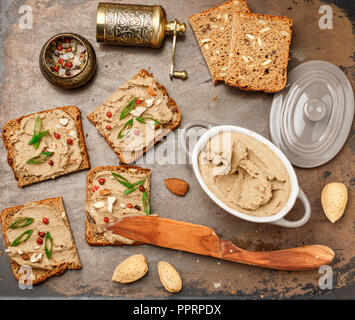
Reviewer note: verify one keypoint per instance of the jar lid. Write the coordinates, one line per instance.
(311, 118)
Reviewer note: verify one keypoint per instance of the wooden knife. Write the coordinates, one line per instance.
(202, 240)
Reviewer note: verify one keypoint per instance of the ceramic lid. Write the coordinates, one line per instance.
(311, 118)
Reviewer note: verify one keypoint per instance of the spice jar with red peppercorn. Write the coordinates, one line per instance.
(67, 60)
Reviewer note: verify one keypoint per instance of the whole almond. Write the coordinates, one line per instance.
(177, 186)
(169, 277)
(131, 269)
(334, 199)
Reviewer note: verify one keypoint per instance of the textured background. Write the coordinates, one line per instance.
(24, 90)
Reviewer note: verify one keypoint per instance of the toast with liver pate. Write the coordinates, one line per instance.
(65, 140)
(138, 115)
(106, 201)
(11, 215)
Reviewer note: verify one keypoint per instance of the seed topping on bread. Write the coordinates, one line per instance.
(259, 52)
(212, 29)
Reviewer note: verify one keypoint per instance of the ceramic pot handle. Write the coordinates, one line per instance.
(307, 214)
(196, 123)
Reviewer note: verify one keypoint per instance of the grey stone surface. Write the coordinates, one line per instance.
(24, 90)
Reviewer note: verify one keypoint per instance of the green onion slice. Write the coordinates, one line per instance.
(146, 204)
(43, 156)
(130, 190)
(128, 125)
(138, 183)
(38, 126)
(122, 180)
(143, 120)
(23, 222)
(116, 175)
(37, 134)
(20, 239)
(46, 250)
(128, 108)
(134, 187)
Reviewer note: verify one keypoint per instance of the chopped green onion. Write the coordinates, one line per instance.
(19, 239)
(134, 187)
(146, 204)
(38, 126)
(128, 108)
(128, 124)
(124, 182)
(46, 250)
(37, 134)
(129, 190)
(19, 223)
(138, 183)
(43, 156)
(143, 120)
(116, 175)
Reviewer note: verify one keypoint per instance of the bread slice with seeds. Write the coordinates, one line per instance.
(63, 124)
(101, 189)
(59, 263)
(213, 30)
(259, 52)
(137, 116)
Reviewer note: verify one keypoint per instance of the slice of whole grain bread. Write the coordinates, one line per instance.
(40, 274)
(12, 126)
(259, 52)
(173, 124)
(92, 236)
(212, 29)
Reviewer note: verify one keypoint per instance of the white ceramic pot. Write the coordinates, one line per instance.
(296, 192)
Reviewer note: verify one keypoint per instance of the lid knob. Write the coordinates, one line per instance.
(314, 110)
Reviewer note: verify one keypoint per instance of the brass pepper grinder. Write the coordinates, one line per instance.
(137, 25)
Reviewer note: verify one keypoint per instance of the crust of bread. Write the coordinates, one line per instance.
(221, 5)
(14, 124)
(192, 17)
(41, 275)
(173, 124)
(91, 236)
(283, 84)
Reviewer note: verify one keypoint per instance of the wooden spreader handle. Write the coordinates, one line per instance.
(296, 259)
